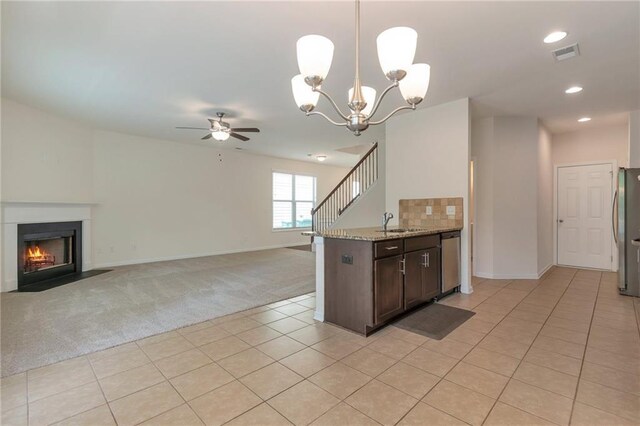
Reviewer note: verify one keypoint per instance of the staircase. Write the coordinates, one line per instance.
(355, 183)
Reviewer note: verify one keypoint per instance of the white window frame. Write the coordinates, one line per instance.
(293, 200)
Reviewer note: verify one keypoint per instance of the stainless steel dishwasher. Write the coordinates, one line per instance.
(450, 261)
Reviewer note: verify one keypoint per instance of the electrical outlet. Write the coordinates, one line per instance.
(347, 259)
(451, 210)
(429, 210)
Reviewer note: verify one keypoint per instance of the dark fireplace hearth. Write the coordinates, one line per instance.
(47, 251)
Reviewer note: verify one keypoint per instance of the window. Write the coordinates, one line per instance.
(294, 196)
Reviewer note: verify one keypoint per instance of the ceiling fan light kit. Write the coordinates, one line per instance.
(221, 130)
(396, 51)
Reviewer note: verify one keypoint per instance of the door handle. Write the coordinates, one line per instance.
(560, 220)
(425, 260)
(402, 266)
(391, 248)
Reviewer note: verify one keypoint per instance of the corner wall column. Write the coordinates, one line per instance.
(319, 249)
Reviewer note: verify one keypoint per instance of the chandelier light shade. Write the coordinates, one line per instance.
(369, 94)
(315, 54)
(415, 84)
(303, 94)
(396, 51)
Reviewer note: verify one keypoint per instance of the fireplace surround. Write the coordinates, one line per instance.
(29, 212)
(47, 251)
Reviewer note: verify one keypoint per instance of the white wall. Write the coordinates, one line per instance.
(155, 199)
(427, 155)
(592, 144)
(511, 198)
(44, 157)
(515, 197)
(545, 200)
(634, 139)
(482, 152)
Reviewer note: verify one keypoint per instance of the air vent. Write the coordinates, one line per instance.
(566, 52)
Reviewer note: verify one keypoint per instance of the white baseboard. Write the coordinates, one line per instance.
(544, 270)
(512, 276)
(187, 256)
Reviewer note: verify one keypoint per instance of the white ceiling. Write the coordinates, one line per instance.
(145, 67)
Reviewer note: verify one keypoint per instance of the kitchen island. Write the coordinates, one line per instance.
(372, 276)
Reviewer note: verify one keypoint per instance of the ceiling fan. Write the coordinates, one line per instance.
(221, 130)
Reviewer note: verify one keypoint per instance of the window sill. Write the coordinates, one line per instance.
(291, 229)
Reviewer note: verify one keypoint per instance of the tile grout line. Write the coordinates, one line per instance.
(459, 361)
(235, 379)
(103, 395)
(151, 362)
(530, 346)
(583, 361)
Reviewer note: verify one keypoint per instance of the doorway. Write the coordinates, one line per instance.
(584, 236)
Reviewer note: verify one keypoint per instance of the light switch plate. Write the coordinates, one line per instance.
(429, 210)
(451, 210)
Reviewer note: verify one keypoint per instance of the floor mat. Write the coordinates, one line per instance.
(434, 321)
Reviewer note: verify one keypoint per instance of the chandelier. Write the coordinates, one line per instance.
(396, 50)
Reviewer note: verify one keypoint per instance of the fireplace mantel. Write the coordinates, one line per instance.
(21, 212)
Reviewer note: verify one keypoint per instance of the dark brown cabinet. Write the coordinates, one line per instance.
(368, 284)
(413, 277)
(421, 279)
(431, 274)
(388, 288)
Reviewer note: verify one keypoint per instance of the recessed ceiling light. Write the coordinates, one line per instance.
(321, 157)
(584, 119)
(573, 89)
(555, 36)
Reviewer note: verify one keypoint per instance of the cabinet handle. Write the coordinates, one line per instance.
(426, 260)
(391, 248)
(402, 266)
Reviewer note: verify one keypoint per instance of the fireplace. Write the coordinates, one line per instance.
(47, 251)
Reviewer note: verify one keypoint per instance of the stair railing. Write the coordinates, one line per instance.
(353, 185)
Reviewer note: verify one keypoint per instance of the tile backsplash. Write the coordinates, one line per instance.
(413, 213)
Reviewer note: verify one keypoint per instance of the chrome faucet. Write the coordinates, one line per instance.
(386, 217)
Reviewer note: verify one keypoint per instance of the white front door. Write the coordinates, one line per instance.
(584, 216)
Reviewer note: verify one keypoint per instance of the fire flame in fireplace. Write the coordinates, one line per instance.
(36, 254)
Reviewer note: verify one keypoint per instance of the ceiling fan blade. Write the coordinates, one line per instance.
(207, 136)
(192, 128)
(237, 136)
(245, 129)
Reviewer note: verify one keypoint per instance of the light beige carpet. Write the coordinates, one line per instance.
(132, 302)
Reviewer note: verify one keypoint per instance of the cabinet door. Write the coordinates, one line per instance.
(413, 277)
(388, 288)
(431, 273)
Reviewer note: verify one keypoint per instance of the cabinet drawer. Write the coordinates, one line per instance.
(388, 248)
(419, 243)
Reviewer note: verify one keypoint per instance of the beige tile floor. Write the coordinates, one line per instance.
(562, 350)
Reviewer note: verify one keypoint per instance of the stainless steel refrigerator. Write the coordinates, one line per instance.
(628, 231)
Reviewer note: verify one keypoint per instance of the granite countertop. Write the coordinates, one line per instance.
(376, 234)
